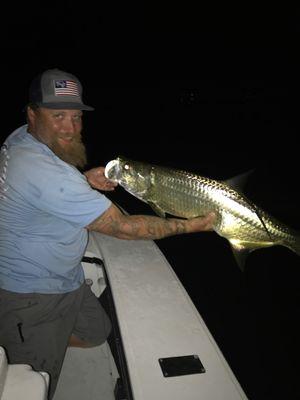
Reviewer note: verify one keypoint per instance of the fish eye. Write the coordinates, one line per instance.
(126, 166)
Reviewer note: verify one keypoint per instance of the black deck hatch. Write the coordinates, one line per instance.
(182, 365)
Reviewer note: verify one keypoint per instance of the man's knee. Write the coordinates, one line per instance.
(74, 341)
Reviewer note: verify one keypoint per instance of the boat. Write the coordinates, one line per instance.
(160, 347)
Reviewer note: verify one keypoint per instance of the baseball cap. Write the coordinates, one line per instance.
(57, 89)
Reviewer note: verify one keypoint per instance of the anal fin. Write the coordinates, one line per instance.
(241, 250)
(240, 257)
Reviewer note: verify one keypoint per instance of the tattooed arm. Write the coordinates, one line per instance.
(113, 223)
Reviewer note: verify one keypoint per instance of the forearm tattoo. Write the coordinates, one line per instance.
(139, 227)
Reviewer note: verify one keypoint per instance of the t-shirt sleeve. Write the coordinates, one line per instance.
(60, 190)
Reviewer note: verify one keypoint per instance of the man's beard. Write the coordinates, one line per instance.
(74, 154)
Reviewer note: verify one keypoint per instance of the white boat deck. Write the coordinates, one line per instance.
(87, 374)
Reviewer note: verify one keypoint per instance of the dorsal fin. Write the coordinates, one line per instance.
(239, 182)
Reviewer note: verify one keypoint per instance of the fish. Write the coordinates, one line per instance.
(183, 194)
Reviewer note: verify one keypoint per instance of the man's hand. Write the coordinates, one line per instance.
(202, 224)
(97, 179)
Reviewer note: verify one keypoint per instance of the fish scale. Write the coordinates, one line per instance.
(183, 194)
(179, 196)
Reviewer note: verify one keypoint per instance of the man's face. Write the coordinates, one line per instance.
(60, 130)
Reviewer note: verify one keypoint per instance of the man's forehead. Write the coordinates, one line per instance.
(51, 111)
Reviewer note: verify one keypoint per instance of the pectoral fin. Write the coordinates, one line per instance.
(159, 211)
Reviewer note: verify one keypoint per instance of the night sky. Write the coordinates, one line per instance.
(212, 89)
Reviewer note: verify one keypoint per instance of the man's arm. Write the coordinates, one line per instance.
(113, 223)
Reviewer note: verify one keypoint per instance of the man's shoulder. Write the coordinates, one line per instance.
(28, 163)
(29, 156)
(16, 137)
(21, 143)
(24, 149)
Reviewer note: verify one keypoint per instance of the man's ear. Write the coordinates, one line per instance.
(31, 115)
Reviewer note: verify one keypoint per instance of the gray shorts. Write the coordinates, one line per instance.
(35, 328)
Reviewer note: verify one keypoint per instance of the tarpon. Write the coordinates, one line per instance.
(183, 194)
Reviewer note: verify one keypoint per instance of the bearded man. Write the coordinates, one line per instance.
(47, 207)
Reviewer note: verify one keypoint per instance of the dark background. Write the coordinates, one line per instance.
(213, 89)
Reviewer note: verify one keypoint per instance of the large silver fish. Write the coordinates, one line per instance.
(183, 194)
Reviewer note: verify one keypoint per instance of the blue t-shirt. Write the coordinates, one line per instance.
(45, 205)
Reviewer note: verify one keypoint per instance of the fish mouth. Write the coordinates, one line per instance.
(112, 170)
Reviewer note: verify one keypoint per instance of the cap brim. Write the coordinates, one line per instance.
(66, 106)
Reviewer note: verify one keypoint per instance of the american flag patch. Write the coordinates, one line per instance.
(66, 88)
